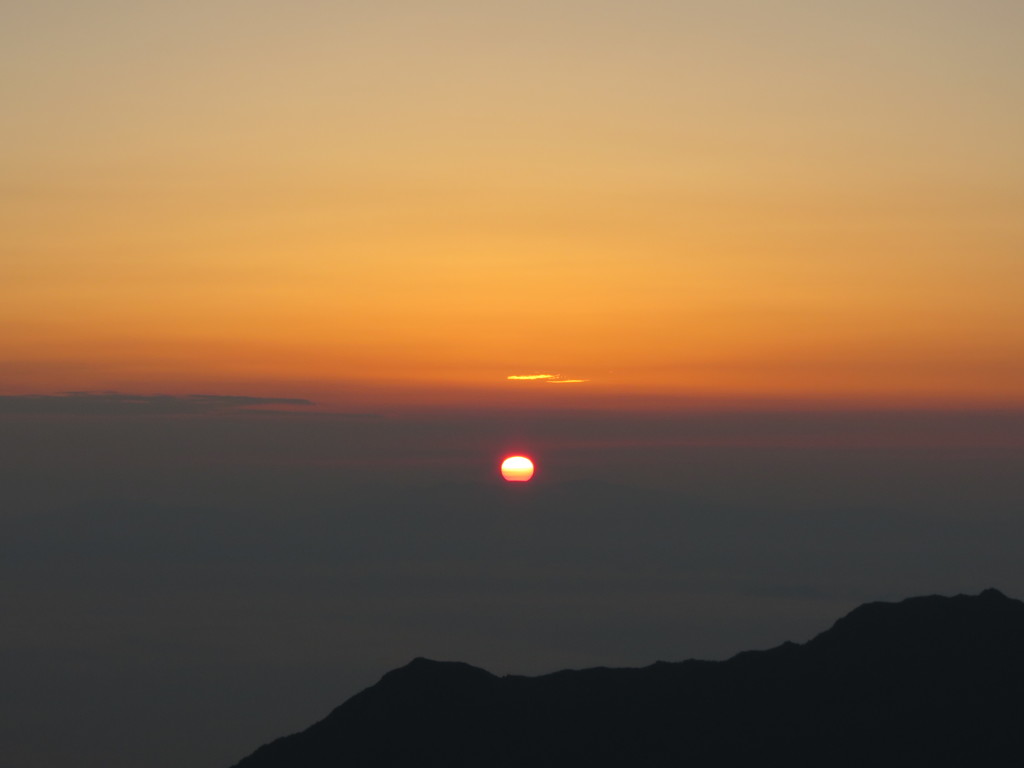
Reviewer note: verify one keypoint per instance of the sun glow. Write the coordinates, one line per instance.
(517, 469)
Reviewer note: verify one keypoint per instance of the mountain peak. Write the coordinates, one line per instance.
(925, 681)
(993, 594)
(932, 624)
(425, 671)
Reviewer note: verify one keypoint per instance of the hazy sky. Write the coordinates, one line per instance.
(729, 198)
(267, 269)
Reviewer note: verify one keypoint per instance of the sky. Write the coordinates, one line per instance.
(283, 283)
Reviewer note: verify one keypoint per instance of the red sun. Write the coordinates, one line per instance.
(517, 469)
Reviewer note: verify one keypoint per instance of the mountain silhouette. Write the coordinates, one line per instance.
(929, 681)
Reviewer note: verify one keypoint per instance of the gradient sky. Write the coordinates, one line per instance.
(267, 270)
(395, 201)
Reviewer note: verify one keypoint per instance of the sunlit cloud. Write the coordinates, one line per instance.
(547, 378)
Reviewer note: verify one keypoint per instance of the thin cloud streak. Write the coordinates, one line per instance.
(94, 403)
(547, 378)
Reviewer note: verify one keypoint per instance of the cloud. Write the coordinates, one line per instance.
(92, 403)
(547, 378)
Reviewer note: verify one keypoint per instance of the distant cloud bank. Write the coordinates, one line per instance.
(120, 403)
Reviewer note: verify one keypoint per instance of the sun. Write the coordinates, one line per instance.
(517, 469)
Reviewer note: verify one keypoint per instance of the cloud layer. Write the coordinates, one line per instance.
(89, 403)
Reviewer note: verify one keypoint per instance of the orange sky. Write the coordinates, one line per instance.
(381, 203)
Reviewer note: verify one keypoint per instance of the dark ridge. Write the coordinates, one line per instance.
(929, 681)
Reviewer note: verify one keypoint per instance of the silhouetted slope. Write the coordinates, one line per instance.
(924, 682)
